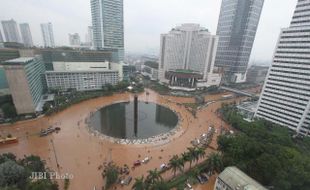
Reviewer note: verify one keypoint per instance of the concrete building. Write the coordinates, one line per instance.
(187, 55)
(6, 54)
(74, 40)
(236, 30)
(25, 79)
(10, 30)
(26, 34)
(256, 74)
(83, 76)
(48, 34)
(108, 25)
(150, 70)
(234, 179)
(285, 99)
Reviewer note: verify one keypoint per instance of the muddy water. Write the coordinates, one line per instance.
(80, 153)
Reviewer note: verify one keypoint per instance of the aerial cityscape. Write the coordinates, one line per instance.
(114, 94)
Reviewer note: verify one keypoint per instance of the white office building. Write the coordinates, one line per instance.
(10, 30)
(83, 76)
(47, 34)
(285, 99)
(26, 34)
(1, 38)
(187, 56)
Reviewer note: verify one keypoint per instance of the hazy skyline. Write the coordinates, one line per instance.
(145, 20)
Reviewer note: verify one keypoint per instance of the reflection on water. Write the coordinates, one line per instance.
(117, 120)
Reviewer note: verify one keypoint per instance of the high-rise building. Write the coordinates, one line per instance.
(10, 30)
(1, 38)
(285, 99)
(108, 25)
(237, 29)
(47, 34)
(74, 40)
(25, 79)
(187, 57)
(26, 34)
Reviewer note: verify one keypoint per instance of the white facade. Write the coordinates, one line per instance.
(188, 47)
(26, 34)
(47, 34)
(80, 80)
(285, 99)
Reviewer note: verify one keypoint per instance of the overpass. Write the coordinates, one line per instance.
(240, 92)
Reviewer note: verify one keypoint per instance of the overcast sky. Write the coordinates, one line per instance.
(145, 20)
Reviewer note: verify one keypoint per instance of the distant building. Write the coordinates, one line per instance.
(285, 99)
(236, 29)
(150, 69)
(89, 36)
(10, 30)
(74, 40)
(187, 57)
(234, 179)
(108, 25)
(1, 38)
(83, 76)
(48, 34)
(25, 79)
(26, 34)
(256, 74)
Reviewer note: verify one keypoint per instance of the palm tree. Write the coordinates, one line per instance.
(191, 155)
(185, 157)
(174, 164)
(153, 177)
(200, 152)
(139, 184)
(214, 163)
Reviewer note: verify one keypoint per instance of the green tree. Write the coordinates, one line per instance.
(42, 184)
(191, 155)
(153, 177)
(214, 163)
(176, 164)
(139, 184)
(12, 174)
(111, 172)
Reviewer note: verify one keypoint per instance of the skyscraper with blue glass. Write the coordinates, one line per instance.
(108, 25)
(237, 29)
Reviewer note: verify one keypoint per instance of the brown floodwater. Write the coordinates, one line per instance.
(80, 152)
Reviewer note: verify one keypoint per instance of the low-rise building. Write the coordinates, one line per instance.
(234, 179)
(25, 79)
(84, 76)
(80, 80)
(150, 69)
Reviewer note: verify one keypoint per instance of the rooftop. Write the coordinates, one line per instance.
(20, 60)
(236, 179)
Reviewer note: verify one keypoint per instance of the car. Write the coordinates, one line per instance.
(163, 167)
(145, 160)
(189, 187)
(137, 163)
(201, 181)
(127, 181)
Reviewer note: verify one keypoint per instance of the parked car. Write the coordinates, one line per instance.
(137, 163)
(126, 181)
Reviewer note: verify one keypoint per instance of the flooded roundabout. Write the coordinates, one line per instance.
(104, 129)
(134, 122)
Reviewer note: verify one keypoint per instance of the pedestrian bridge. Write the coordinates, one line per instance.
(244, 93)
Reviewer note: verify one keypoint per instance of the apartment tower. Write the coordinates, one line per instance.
(285, 99)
